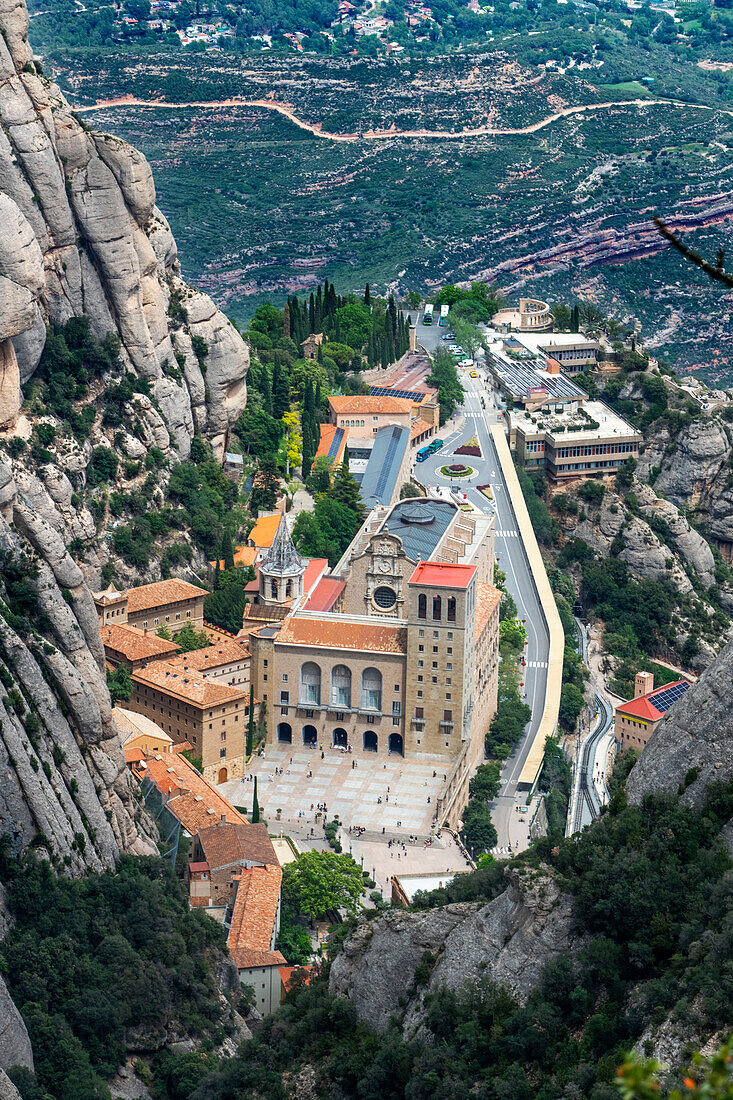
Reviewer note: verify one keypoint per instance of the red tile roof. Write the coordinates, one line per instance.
(213, 656)
(314, 570)
(327, 432)
(243, 556)
(643, 706)
(135, 645)
(488, 599)
(304, 976)
(199, 691)
(419, 427)
(161, 593)
(325, 594)
(341, 633)
(443, 574)
(252, 929)
(225, 843)
(194, 801)
(364, 405)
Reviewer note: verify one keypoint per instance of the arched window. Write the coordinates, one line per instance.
(371, 689)
(437, 609)
(273, 588)
(310, 684)
(310, 734)
(285, 733)
(340, 738)
(340, 687)
(288, 589)
(451, 613)
(422, 607)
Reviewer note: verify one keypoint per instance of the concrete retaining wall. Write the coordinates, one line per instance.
(548, 722)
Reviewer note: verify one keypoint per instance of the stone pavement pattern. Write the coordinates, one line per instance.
(404, 787)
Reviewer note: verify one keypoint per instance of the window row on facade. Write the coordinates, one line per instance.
(340, 687)
(340, 738)
(437, 608)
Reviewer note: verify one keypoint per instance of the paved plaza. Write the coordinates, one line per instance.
(387, 798)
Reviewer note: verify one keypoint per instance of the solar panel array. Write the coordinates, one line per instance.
(384, 464)
(333, 450)
(665, 697)
(520, 378)
(385, 391)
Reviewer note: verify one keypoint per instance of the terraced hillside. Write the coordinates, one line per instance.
(263, 207)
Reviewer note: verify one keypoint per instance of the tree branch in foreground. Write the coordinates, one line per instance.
(714, 271)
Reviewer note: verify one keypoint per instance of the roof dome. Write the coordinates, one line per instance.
(417, 513)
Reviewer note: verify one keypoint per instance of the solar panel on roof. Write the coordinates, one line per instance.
(333, 450)
(664, 698)
(385, 391)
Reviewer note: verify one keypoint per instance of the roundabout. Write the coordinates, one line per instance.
(457, 469)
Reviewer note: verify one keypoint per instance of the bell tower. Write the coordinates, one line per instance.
(282, 571)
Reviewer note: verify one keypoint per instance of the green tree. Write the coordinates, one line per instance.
(345, 489)
(227, 550)
(477, 831)
(317, 882)
(188, 638)
(120, 685)
(255, 805)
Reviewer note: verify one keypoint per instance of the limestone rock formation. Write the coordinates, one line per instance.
(693, 745)
(82, 235)
(509, 940)
(8, 1090)
(15, 1046)
(65, 786)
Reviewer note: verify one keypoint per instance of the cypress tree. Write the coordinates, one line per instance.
(383, 353)
(255, 807)
(280, 392)
(311, 314)
(309, 428)
(216, 574)
(367, 297)
(251, 725)
(227, 550)
(286, 320)
(318, 315)
(346, 489)
(318, 400)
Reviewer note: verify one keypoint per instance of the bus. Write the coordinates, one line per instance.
(444, 311)
(427, 317)
(423, 454)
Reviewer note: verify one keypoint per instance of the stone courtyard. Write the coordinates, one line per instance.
(408, 790)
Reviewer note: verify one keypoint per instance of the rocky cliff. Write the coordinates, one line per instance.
(81, 235)
(693, 746)
(509, 940)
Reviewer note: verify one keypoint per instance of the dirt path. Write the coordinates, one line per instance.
(287, 110)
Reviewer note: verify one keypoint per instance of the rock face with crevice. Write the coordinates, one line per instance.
(509, 941)
(82, 236)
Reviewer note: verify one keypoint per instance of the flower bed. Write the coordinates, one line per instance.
(470, 447)
(457, 469)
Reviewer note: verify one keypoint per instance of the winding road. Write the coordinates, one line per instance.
(315, 128)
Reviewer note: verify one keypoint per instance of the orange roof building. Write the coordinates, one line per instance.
(263, 533)
(225, 661)
(243, 556)
(197, 708)
(339, 632)
(366, 405)
(133, 648)
(637, 720)
(332, 442)
(253, 931)
(187, 795)
(171, 603)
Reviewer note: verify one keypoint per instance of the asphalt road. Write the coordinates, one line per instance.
(511, 827)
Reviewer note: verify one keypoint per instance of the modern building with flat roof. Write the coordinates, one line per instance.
(530, 380)
(574, 351)
(637, 720)
(586, 441)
